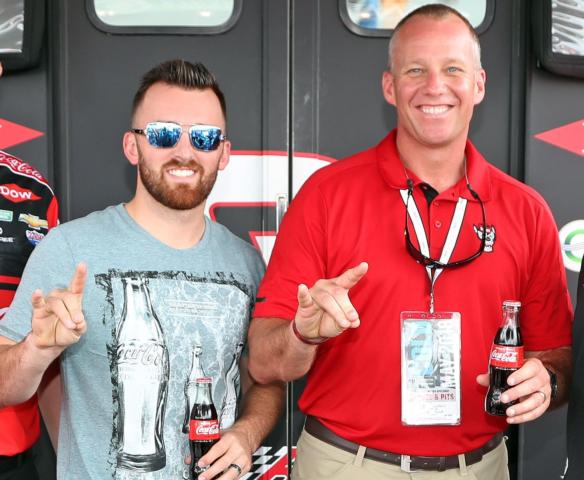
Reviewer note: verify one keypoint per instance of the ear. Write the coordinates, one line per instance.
(130, 146)
(387, 85)
(480, 80)
(225, 154)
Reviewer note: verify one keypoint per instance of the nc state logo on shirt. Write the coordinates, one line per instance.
(490, 236)
(16, 194)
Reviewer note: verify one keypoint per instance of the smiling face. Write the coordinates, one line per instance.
(180, 177)
(435, 81)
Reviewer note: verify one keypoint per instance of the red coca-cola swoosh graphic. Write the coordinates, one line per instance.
(12, 134)
(567, 137)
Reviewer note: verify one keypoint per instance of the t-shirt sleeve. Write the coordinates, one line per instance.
(298, 255)
(258, 270)
(47, 269)
(546, 314)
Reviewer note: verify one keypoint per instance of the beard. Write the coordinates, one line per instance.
(181, 196)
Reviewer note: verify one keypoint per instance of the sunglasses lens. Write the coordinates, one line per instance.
(206, 139)
(163, 135)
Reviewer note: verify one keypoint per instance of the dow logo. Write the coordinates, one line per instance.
(572, 240)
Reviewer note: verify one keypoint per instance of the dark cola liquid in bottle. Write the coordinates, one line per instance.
(203, 425)
(506, 357)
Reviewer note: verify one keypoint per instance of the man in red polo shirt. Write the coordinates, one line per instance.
(28, 209)
(395, 332)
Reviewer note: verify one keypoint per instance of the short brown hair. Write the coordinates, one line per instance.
(179, 73)
(436, 11)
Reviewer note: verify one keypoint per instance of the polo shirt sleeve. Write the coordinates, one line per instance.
(546, 313)
(298, 256)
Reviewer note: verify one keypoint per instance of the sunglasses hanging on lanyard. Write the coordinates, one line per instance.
(434, 267)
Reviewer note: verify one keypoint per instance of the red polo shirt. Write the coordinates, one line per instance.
(352, 211)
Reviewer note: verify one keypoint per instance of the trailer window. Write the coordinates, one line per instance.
(567, 29)
(379, 17)
(11, 26)
(131, 15)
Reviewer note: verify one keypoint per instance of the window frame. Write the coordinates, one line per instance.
(388, 32)
(163, 29)
(32, 39)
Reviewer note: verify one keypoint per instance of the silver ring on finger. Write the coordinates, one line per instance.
(544, 396)
(237, 468)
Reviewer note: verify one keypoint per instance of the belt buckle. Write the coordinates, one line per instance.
(405, 462)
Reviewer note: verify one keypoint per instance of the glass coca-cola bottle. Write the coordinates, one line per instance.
(204, 425)
(197, 371)
(143, 371)
(506, 358)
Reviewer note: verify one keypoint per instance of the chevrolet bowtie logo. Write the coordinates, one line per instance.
(568, 137)
(12, 134)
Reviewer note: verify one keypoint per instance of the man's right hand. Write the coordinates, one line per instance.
(325, 311)
(57, 319)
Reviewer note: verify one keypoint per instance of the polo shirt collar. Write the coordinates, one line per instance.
(393, 171)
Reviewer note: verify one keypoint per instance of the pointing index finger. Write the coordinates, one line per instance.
(349, 278)
(77, 283)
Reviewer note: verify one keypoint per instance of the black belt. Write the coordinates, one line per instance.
(7, 464)
(408, 463)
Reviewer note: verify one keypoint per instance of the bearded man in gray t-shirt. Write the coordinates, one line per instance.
(145, 297)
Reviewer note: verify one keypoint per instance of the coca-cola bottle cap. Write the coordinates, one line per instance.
(512, 303)
(204, 380)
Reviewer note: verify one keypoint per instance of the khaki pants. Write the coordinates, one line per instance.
(317, 460)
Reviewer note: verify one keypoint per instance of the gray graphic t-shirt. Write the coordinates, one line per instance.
(158, 318)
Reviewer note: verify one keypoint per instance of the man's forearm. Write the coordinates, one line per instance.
(262, 407)
(275, 353)
(559, 361)
(22, 366)
(50, 395)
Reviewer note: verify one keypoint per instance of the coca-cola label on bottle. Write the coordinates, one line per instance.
(204, 430)
(506, 357)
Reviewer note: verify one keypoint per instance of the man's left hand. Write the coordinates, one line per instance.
(234, 448)
(531, 386)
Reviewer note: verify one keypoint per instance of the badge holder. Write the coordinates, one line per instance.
(430, 368)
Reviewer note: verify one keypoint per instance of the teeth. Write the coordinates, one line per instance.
(436, 110)
(181, 173)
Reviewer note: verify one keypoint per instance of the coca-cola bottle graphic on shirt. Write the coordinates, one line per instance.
(197, 371)
(506, 358)
(143, 372)
(232, 381)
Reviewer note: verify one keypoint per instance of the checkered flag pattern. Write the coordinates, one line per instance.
(269, 463)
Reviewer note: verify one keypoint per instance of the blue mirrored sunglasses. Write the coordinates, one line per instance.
(167, 134)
